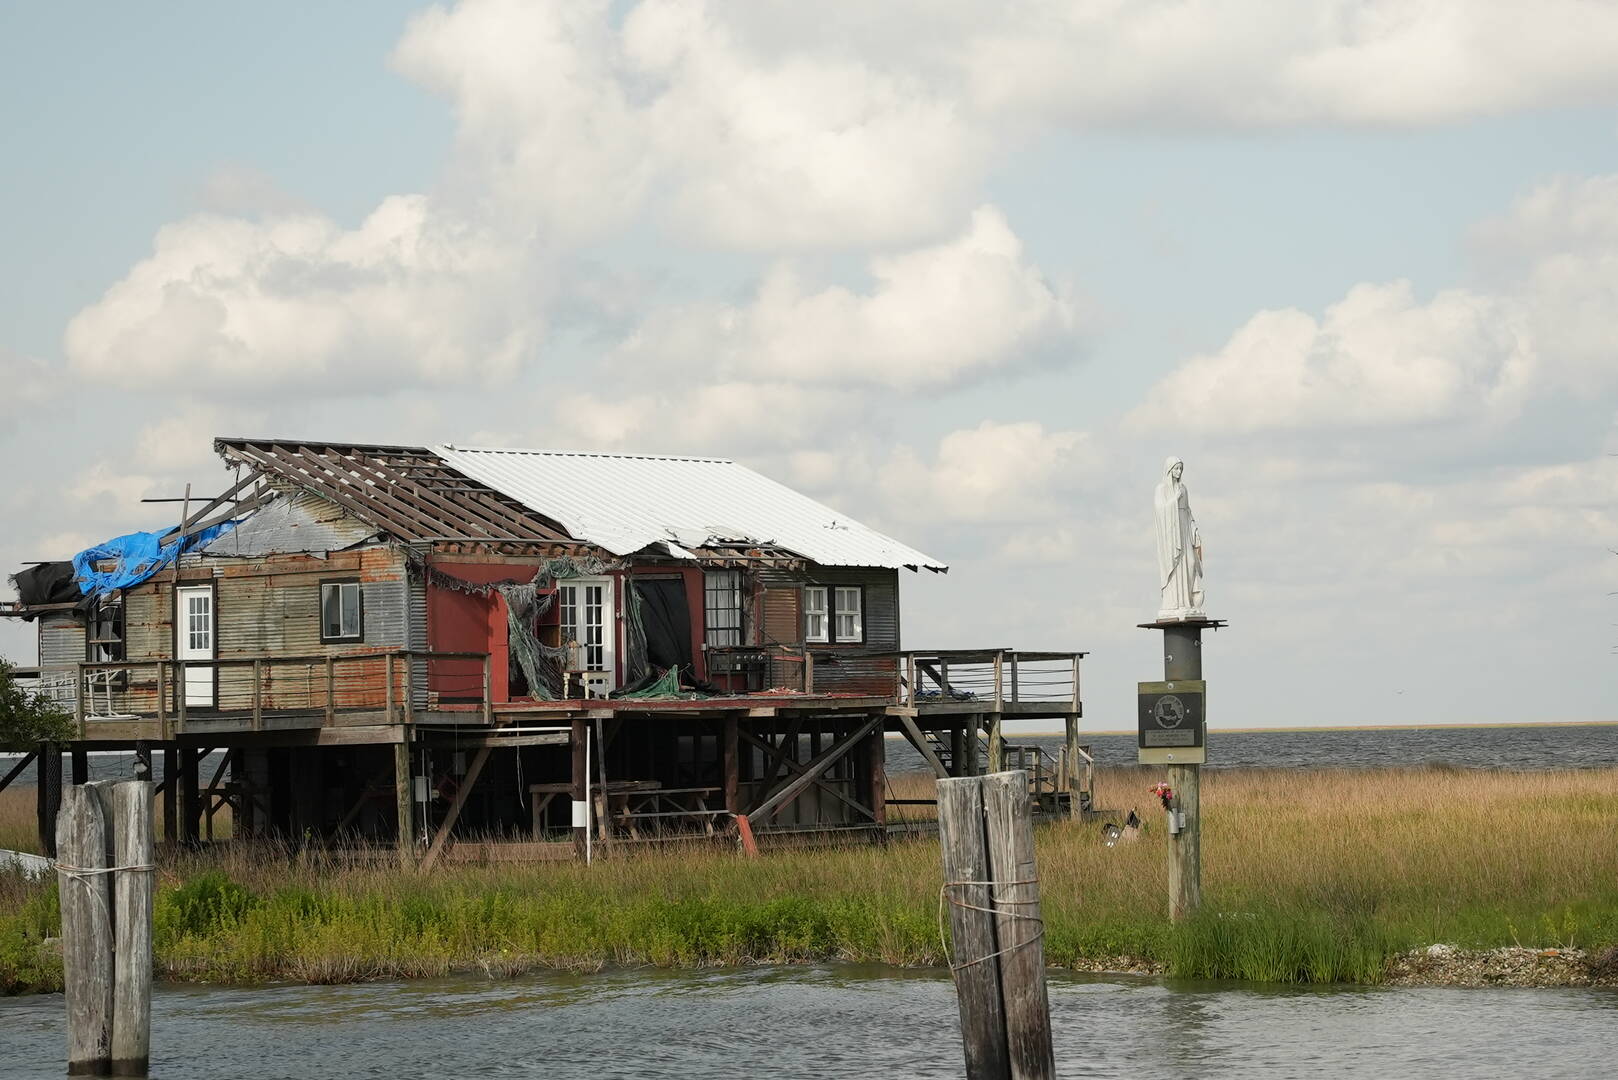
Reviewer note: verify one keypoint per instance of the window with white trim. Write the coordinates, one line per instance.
(815, 625)
(340, 616)
(849, 610)
(834, 615)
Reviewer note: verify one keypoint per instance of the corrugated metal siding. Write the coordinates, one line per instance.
(61, 648)
(624, 503)
(149, 622)
(416, 634)
(61, 639)
(848, 673)
(271, 607)
(783, 625)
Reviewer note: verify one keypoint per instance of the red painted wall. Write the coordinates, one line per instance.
(461, 622)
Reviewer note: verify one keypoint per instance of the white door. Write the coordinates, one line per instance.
(587, 619)
(194, 612)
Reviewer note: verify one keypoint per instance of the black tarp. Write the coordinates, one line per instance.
(47, 583)
(667, 621)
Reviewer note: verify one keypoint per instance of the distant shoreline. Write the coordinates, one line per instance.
(1337, 727)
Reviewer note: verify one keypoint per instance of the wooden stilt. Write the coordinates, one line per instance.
(580, 772)
(48, 794)
(404, 804)
(1075, 771)
(171, 793)
(453, 814)
(190, 796)
(732, 755)
(997, 744)
(81, 763)
(877, 763)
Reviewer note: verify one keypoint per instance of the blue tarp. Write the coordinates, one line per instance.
(137, 556)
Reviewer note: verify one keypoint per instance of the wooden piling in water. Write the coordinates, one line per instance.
(973, 935)
(86, 902)
(1018, 925)
(991, 885)
(134, 851)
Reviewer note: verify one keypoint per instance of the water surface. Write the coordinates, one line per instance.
(788, 1023)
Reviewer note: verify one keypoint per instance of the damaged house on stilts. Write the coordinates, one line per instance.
(496, 653)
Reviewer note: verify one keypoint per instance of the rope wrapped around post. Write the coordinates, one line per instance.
(991, 897)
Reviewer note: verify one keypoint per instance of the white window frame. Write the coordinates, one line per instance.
(196, 631)
(816, 613)
(342, 587)
(843, 607)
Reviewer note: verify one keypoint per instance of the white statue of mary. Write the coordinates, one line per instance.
(1179, 548)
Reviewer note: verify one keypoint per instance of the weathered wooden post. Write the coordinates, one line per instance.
(973, 934)
(1009, 815)
(134, 851)
(405, 835)
(86, 901)
(991, 883)
(1173, 731)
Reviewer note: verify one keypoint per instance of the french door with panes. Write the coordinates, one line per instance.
(586, 609)
(194, 633)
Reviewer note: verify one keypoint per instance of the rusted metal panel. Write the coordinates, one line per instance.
(783, 625)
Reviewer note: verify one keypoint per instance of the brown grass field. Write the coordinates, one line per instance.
(1318, 875)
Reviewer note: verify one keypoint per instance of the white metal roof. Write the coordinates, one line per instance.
(624, 503)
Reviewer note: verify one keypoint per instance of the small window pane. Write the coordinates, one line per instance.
(340, 610)
(850, 616)
(351, 610)
(722, 596)
(814, 613)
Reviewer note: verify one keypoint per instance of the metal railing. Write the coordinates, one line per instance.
(990, 678)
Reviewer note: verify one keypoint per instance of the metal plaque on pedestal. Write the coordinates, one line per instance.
(1173, 723)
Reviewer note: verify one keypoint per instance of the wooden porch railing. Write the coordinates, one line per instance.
(393, 683)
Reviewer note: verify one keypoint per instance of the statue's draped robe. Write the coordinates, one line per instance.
(1179, 566)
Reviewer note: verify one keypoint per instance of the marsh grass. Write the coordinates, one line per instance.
(1309, 876)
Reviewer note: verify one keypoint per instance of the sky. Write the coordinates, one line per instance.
(969, 280)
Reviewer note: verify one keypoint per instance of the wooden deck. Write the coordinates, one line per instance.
(377, 696)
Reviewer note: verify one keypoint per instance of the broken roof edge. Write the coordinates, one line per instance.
(584, 453)
(903, 555)
(221, 441)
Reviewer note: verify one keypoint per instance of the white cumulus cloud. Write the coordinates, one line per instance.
(229, 303)
(935, 317)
